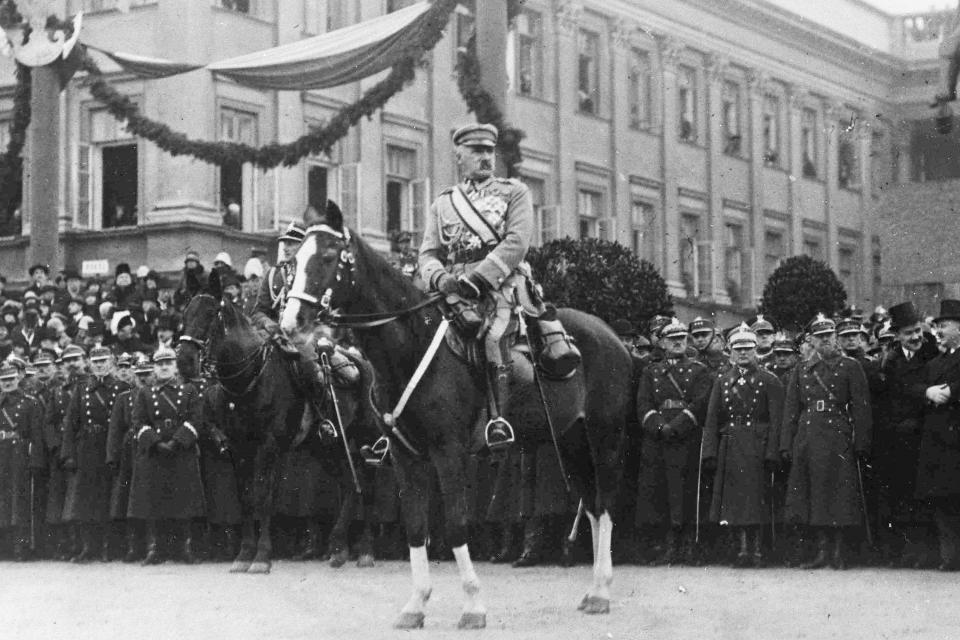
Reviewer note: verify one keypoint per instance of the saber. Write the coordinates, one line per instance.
(328, 374)
(773, 510)
(575, 529)
(696, 530)
(863, 504)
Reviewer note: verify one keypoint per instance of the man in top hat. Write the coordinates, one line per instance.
(166, 484)
(124, 295)
(21, 417)
(475, 240)
(709, 346)
(87, 503)
(671, 405)
(740, 442)
(938, 468)
(764, 330)
(898, 428)
(826, 434)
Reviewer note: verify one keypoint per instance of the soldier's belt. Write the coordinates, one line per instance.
(9, 435)
(673, 404)
(94, 428)
(739, 421)
(472, 255)
(826, 406)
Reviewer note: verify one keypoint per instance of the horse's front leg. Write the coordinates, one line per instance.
(414, 479)
(597, 599)
(241, 564)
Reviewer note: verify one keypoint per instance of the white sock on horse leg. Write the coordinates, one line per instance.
(420, 570)
(468, 578)
(595, 539)
(605, 561)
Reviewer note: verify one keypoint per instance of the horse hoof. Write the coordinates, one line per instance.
(365, 561)
(583, 603)
(594, 604)
(472, 621)
(259, 567)
(409, 621)
(239, 566)
(338, 559)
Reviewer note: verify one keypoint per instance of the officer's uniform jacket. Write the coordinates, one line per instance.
(167, 411)
(661, 403)
(505, 206)
(120, 451)
(21, 426)
(272, 295)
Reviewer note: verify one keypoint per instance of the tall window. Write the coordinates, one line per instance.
(589, 210)
(537, 194)
(465, 15)
(694, 257)
(808, 142)
(321, 16)
(848, 155)
(237, 181)
(813, 247)
(732, 138)
(640, 89)
(687, 103)
(401, 173)
(9, 226)
(771, 130)
(262, 9)
(846, 260)
(642, 221)
(774, 249)
(108, 174)
(529, 53)
(735, 261)
(588, 72)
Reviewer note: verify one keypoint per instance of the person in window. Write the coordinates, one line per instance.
(192, 281)
(231, 215)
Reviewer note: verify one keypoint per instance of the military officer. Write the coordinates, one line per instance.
(475, 240)
(166, 484)
(21, 455)
(671, 405)
(740, 444)
(273, 288)
(765, 331)
(784, 357)
(709, 346)
(120, 447)
(826, 434)
(83, 452)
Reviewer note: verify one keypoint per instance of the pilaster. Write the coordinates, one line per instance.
(670, 51)
(717, 68)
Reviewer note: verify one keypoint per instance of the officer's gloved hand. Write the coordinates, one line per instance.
(447, 284)
(69, 464)
(168, 448)
(709, 466)
(471, 286)
(771, 466)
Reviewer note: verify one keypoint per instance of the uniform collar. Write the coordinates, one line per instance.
(479, 185)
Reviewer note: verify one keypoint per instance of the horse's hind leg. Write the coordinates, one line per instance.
(339, 536)
(597, 599)
(414, 478)
(241, 564)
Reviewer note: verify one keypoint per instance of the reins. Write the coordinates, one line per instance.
(371, 320)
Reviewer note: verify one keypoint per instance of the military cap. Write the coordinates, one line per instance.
(164, 354)
(674, 329)
(191, 255)
(142, 364)
(100, 353)
(623, 327)
(30, 371)
(476, 134)
(821, 325)
(658, 322)
(31, 303)
(642, 343)
(847, 325)
(8, 371)
(742, 337)
(885, 331)
(44, 357)
(702, 325)
(761, 325)
(853, 312)
(295, 232)
(124, 360)
(17, 362)
(783, 343)
(73, 351)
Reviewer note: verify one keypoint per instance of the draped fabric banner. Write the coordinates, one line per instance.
(339, 57)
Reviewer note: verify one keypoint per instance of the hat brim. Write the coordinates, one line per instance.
(478, 143)
(947, 317)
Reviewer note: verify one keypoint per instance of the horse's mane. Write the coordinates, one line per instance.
(373, 267)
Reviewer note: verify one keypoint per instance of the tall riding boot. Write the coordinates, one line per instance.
(229, 549)
(822, 558)
(311, 548)
(743, 554)
(507, 552)
(186, 554)
(838, 560)
(498, 432)
(559, 356)
(533, 543)
(86, 544)
(757, 536)
(130, 536)
(105, 531)
(153, 545)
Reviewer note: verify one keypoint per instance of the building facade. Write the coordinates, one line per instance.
(713, 137)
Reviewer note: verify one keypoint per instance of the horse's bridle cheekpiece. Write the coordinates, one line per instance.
(345, 263)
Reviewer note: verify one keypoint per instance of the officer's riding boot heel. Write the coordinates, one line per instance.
(153, 547)
(498, 432)
(838, 561)
(86, 545)
(822, 558)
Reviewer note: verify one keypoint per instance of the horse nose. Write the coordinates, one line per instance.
(288, 319)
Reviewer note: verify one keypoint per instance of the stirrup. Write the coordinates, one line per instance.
(376, 454)
(498, 434)
(326, 429)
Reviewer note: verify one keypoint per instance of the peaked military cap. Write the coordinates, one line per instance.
(702, 325)
(783, 344)
(674, 329)
(17, 362)
(124, 360)
(295, 232)
(73, 351)
(821, 325)
(143, 364)
(476, 134)
(164, 354)
(848, 325)
(761, 325)
(44, 357)
(100, 353)
(743, 337)
(8, 371)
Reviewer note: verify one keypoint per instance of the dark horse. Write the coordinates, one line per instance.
(257, 378)
(336, 269)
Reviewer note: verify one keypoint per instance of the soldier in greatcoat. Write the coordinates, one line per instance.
(938, 469)
(221, 418)
(47, 376)
(84, 452)
(826, 434)
(21, 455)
(740, 445)
(709, 345)
(166, 485)
(671, 406)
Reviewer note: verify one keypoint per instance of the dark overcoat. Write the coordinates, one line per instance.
(55, 412)
(85, 442)
(938, 468)
(21, 425)
(221, 491)
(167, 485)
(826, 424)
(120, 452)
(741, 432)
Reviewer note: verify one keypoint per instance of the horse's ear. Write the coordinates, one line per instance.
(214, 285)
(333, 215)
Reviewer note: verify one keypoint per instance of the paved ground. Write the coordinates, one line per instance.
(54, 600)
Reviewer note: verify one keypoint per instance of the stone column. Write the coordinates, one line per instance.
(831, 115)
(42, 184)
(717, 67)
(567, 25)
(670, 51)
(757, 85)
(795, 104)
(621, 35)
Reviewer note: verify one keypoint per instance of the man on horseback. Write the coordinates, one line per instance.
(475, 239)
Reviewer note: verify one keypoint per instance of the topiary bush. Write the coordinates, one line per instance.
(800, 288)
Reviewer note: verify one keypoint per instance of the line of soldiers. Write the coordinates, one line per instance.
(809, 448)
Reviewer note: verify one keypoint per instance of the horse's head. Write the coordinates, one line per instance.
(198, 317)
(324, 272)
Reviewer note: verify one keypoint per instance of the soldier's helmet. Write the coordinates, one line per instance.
(674, 329)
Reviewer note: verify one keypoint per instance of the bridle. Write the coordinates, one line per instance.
(346, 261)
(256, 357)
